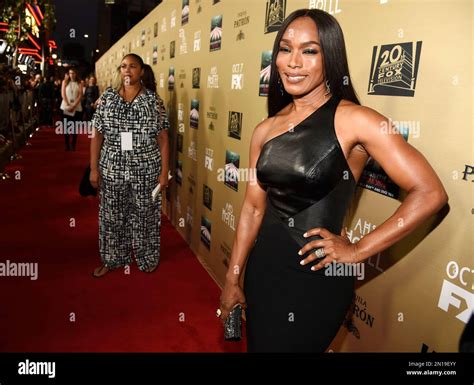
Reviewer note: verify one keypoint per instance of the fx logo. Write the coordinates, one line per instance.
(208, 162)
(237, 81)
(454, 295)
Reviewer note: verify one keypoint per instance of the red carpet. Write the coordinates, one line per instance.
(66, 309)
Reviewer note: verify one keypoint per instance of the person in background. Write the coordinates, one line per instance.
(128, 157)
(46, 96)
(91, 95)
(71, 92)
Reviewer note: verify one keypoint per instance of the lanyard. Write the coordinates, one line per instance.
(128, 106)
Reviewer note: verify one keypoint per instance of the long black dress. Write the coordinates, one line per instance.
(309, 184)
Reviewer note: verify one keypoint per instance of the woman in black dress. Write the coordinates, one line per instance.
(309, 155)
(91, 95)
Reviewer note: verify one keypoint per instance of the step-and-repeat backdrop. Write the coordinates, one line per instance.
(410, 60)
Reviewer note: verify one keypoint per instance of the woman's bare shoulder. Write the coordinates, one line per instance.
(356, 113)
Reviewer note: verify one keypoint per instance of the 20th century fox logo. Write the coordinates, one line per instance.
(394, 69)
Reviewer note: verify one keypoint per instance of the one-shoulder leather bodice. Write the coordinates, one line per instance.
(306, 175)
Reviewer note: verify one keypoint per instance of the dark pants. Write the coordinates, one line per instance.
(70, 129)
(46, 113)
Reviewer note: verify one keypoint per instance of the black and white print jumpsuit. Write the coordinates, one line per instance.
(129, 220)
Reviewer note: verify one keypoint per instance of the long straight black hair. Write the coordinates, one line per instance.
(336, 69)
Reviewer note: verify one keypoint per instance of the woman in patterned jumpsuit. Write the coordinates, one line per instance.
(129, 156)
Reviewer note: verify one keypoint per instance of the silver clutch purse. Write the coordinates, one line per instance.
(233, 325)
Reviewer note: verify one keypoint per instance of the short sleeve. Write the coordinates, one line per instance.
(98, 117)
(163, 122)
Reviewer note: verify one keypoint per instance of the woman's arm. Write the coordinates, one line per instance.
(163, 142)
(80, 95)
(96, 145)
(251, 215)
(408, 168)
(63, 92)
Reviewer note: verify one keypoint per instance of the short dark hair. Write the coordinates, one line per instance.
(336, 69)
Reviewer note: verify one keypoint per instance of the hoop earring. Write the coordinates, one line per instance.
(280, 86)
(328, 88)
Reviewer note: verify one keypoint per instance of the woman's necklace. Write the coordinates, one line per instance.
(131, 101)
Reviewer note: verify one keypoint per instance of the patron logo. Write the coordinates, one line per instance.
(207, 197)
(209, 159)
(274, 15)
(242, 20)
(394, 69)
(237, 82)
(468, 173)
(453, 295)
(235, 124)
(360, 311)
(212, 113)
(351, 328)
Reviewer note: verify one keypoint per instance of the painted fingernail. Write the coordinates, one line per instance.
(302, 262)
(313, 268)
(300, 253)
(305, 235)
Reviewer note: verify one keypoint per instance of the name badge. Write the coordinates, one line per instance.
(127, 141)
